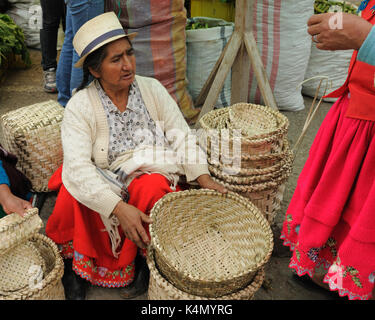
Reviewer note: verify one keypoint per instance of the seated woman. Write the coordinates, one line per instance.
(125, 146)
(14, 186)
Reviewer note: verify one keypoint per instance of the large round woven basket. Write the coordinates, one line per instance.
(45, 283)
(207, 243)
(15, 229)
(161, 289)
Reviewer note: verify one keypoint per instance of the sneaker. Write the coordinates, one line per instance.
(50, 80)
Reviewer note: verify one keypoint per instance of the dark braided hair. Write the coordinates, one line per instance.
(93, 60)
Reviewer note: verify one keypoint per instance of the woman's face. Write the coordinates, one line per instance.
(117, 70)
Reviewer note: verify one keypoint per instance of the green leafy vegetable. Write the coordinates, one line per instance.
(324, 6)
(12, 40)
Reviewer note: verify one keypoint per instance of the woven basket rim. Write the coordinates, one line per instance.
(56, 272)
(251, 178)
(221, 117)
(5, 226)
(263, 223)
(254, 171)
(154, 272)
(256, 187)
(285, 152)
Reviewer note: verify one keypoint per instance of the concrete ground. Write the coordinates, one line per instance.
(24, 87)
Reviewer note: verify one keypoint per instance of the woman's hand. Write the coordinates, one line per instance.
(205, 181)
(131, 220)
(338, 31)
(11, 203)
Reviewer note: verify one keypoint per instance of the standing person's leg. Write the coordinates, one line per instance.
(81, 12)
(64, 67)
(53, 11)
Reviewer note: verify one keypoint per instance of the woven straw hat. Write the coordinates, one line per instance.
(97, 32)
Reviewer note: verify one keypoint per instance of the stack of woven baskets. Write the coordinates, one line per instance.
(31, 267)
(207, 245)
(248, 152)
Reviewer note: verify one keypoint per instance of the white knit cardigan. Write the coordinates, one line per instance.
(85, 138)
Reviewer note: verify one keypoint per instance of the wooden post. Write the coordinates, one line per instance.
(240, 54)
(241, 66)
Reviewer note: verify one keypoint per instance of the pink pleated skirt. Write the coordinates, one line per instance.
(330, 221)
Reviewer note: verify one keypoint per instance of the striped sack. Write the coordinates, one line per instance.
(280, 30)
(160, 46)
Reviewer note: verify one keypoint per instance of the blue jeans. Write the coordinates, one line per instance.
(67, 76)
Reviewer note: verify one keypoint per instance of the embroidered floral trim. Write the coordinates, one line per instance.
(344, 292)
(87, 269)
(101, 276)
(287, 243)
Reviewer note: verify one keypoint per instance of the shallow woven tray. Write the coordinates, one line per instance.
(32, 133)
(209, 244)
(15, 229)
(49, 286)
(161, 289)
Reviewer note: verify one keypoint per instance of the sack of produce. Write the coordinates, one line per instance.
(332, 64)
(27, 14)
(205, 41)
(280, 30)
(160, 46)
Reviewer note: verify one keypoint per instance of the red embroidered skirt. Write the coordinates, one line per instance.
(330, 221)
(82, 236)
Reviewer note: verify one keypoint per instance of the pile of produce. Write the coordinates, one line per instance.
(324, 6)
(12, 41)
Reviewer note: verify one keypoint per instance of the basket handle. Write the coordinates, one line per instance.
(312, 112)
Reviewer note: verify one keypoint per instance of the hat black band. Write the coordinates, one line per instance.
(102, 38)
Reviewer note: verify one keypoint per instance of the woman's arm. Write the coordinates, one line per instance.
(338, 31)
(8, 200)
(176, 127)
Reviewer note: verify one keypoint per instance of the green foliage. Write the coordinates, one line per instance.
(324, 6)
(12, 40)
(192, 25)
